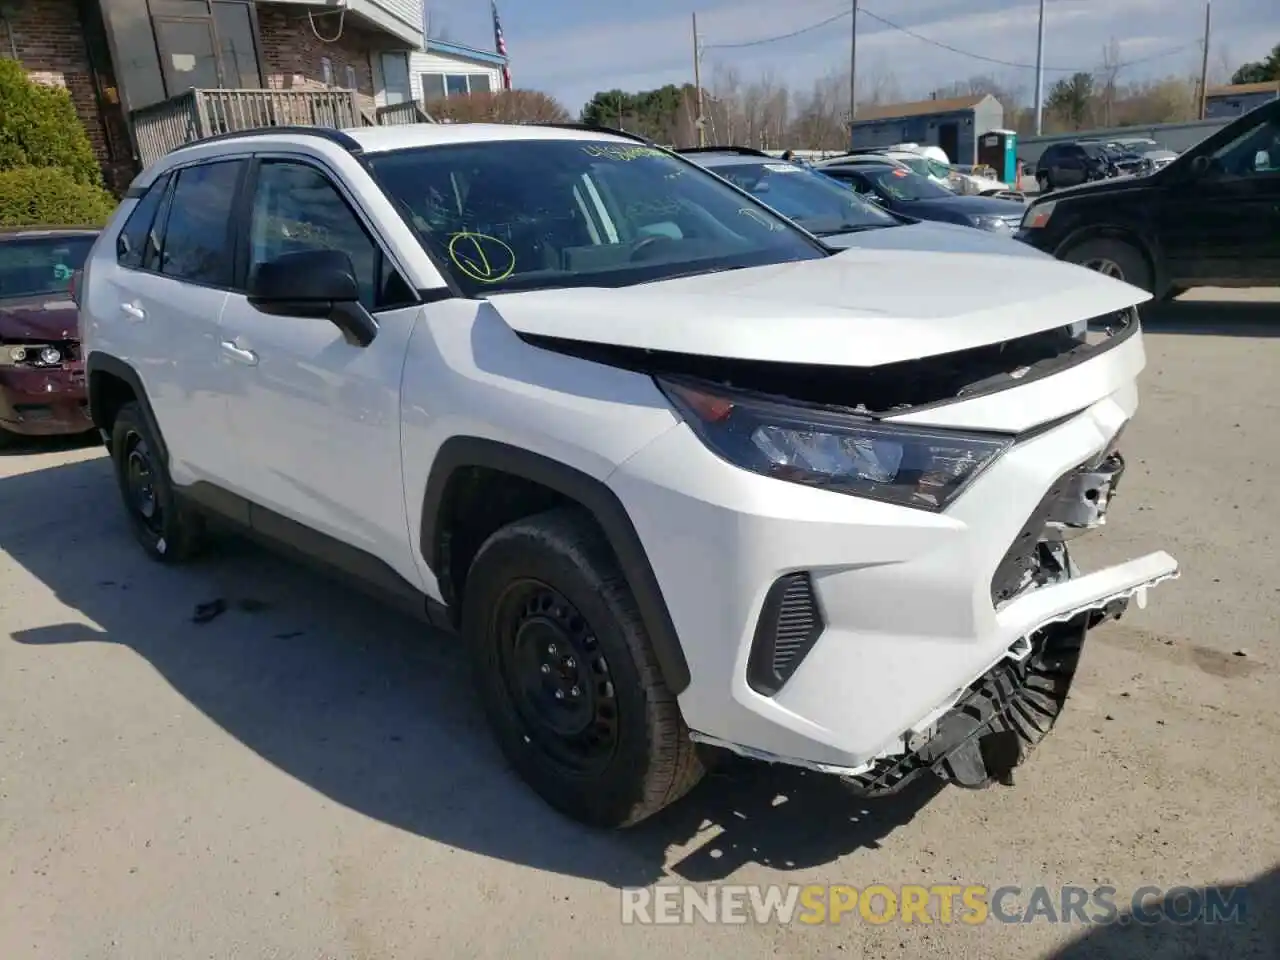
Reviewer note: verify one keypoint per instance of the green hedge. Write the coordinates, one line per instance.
(52, 197)
(39, 127)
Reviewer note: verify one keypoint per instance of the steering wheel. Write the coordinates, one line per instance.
(646, 243)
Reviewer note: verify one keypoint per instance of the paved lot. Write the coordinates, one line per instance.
(307, 776)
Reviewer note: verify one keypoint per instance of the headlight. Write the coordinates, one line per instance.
(17, 354)
(50, 355)
(989, 223)
(1038, 215)
(909, 466)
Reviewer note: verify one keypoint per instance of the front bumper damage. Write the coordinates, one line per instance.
(994, 723)
(983, 731)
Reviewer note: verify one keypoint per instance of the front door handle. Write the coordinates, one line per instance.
(133, 311)
(239, 354)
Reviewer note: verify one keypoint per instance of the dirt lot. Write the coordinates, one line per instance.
(307, 776)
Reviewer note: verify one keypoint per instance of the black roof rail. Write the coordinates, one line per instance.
(593, 128)
(743, 151)
(332, 134)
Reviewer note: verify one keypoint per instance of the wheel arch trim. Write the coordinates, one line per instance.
(594, 495)
(99, 362)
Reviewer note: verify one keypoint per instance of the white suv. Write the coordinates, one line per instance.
(678, 472)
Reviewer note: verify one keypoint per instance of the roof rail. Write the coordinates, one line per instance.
(744, 151)
(332, 134)
(593, 128)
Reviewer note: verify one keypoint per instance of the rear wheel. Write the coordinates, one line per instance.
(1113, 258)
(567, 675)
(166, 529)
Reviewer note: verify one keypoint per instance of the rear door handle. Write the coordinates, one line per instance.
(239, 354)
(133, 311)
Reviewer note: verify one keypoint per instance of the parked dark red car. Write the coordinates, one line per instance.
(42, 389)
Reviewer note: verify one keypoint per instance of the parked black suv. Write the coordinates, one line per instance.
(1082, 161)
(1210, 218)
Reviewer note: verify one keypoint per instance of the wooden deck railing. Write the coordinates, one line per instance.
(197, 114)
(410, 111)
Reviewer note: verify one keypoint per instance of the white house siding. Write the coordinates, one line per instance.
(420, 63)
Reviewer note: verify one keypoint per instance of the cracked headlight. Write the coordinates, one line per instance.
(918, 467)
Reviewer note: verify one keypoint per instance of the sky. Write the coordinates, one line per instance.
(573, 48)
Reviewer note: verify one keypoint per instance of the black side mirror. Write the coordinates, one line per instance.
(313, 283)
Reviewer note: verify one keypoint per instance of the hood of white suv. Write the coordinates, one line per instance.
(859, 308)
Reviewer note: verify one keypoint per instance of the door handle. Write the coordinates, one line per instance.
(239, 354)
(133, 311)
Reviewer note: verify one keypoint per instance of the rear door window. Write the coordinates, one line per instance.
(197, 244)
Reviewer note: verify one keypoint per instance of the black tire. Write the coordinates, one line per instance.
(549, 580)
(1115, 258)
(167, 530)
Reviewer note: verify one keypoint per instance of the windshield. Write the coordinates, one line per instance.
(816, 202)
(40, 266)
(905, 185)
(533, 214)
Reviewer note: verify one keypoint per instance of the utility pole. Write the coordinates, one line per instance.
(697, 84)
(1040, 73)
(853, 71)
(1204, 64)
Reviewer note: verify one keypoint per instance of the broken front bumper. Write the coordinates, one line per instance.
(999, 719)
(44, 402)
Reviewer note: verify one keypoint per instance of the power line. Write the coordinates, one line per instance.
(1010, 63)
(937, 43)
(785, 36)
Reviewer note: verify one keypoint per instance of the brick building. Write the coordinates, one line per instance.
(119, 57)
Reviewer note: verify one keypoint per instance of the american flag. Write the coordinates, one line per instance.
(500, 44)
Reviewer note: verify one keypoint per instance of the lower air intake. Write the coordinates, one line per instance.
(790, 624)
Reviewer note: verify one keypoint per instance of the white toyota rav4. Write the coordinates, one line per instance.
(676, 471)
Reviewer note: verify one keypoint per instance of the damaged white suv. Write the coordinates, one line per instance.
(678, 472)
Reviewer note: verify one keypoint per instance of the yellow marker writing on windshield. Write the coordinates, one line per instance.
(481, 257)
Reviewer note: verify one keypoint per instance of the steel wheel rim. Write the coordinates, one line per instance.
(1106, 267)
(140, 483)
(556, 678)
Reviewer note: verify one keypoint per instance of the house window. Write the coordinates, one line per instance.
(436, 86)
(351, 78)
(326, 71)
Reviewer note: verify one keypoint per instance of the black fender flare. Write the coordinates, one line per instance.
(99, 362)
(602, 503)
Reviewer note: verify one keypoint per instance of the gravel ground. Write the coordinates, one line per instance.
(307, 776)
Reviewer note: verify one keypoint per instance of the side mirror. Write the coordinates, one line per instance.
(313, 283)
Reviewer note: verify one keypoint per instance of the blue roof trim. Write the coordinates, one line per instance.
(462, 50)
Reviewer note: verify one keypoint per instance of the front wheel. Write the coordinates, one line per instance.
(1113, 258)
(567, 675)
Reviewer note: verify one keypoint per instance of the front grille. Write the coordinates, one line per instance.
(789, 625)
